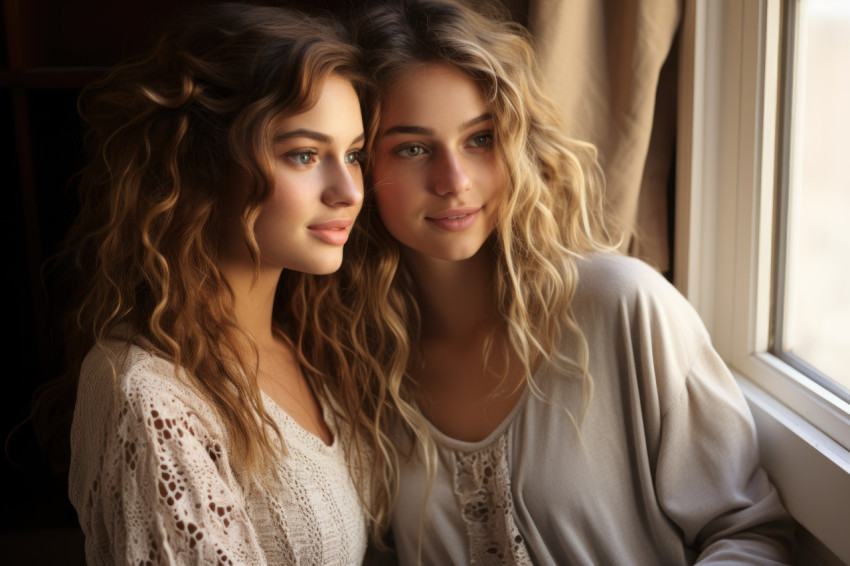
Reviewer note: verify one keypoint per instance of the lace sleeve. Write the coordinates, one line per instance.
(162, 490)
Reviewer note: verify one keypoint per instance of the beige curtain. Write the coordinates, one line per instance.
(612, 68)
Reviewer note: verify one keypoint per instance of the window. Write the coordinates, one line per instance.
(729, 176)
(812, 303)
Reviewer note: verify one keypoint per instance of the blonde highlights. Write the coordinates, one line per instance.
(552, 214)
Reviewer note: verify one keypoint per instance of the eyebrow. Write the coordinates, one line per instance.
(311, 134)
(430, 132)
(475, 121)
(408, 130)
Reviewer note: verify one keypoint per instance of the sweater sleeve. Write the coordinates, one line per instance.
(158, 487)
(708, 476)
(684, 412)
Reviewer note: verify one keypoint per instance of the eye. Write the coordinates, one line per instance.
(410, 150)
(481, 139)
(302, 157)
(357, 156)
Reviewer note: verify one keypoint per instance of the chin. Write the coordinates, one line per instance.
(319, 265)
(327, 269)
(455, 254)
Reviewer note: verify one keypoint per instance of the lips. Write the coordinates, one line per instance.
(456, 219)
(333, 232)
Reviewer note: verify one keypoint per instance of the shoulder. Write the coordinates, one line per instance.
(625, 287)
(635, 321)
(130, 381)
(128, 370)
(124, 365)
(618, 276)
(130, 408)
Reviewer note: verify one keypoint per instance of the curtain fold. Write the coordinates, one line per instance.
(612, 68)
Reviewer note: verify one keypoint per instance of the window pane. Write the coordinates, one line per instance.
(816, 315)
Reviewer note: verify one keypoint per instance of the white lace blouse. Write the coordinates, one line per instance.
(153, 483)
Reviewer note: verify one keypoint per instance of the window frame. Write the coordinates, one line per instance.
(786, 175)
(727, 158)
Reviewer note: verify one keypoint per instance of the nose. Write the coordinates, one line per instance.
(449, 174)
(343, 185)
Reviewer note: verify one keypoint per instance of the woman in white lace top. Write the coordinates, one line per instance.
(225, 174)
(552, 401)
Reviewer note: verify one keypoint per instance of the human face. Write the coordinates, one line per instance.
(438, 183)
(318, 183)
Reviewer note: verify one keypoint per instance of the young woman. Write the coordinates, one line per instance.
(225, 171)
(552, 402)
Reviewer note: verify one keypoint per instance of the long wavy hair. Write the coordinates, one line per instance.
(166, 132)
(552, 214)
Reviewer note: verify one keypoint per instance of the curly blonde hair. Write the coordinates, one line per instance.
(166, 133)
(552, 214)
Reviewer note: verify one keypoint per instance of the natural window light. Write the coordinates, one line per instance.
(812, 314)
(741, 188)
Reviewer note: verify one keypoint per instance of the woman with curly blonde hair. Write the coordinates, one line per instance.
(225, 174)
(540, 398)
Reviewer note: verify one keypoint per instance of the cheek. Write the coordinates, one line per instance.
(494, 178)
(392, 189)
(280, 203)
(382, 174)
(285, 204)
(390, 205)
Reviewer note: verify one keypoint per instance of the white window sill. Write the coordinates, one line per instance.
(811, 471)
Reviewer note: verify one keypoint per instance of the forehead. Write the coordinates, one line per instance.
(337, 108)
(431, 94)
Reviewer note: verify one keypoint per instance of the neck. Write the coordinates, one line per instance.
(455, 297)
(253, 300)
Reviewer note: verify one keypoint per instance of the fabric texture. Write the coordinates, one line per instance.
(613, 69)
(663, 468)
(153, 483)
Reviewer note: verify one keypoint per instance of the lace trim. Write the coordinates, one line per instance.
(482, 484)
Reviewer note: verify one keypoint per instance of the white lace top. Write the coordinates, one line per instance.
(152, 480)
(663, 470)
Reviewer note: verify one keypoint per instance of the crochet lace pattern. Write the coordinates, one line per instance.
(153, 483)
(482, 485)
